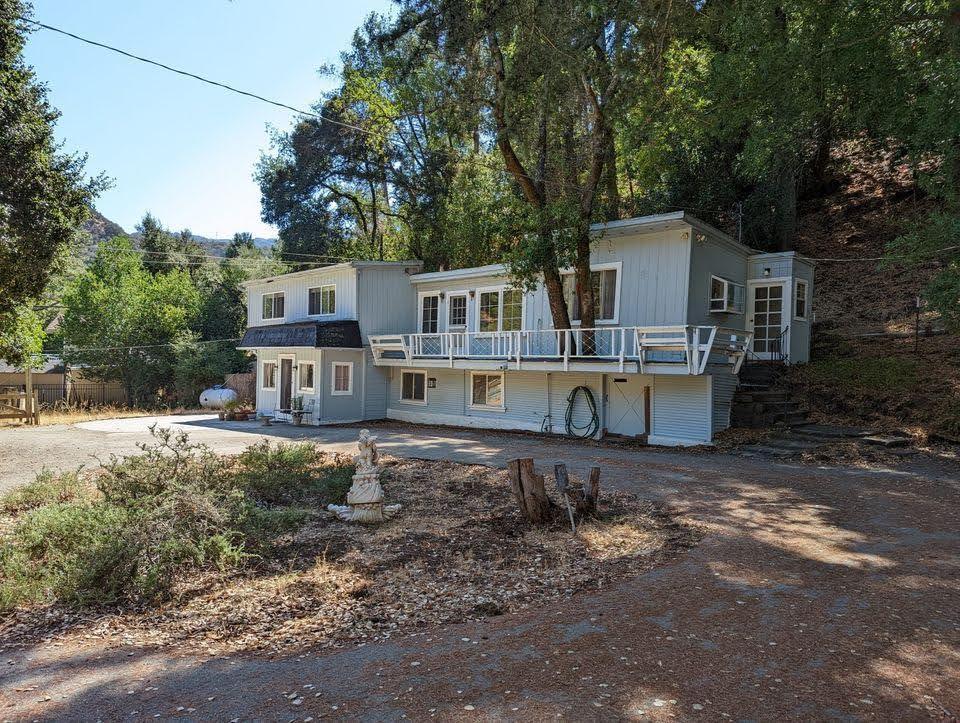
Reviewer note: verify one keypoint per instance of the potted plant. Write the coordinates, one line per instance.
(296, 411)
(230, 410)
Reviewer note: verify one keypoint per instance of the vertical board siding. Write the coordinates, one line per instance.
(714, 258)
(269, 400)
(681, 408)
(800, 328)
(724, 387)
(561, 384)
(387, 301)
(376, 388)
(296, 296)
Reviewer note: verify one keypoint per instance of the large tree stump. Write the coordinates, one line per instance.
(529, 490)
(582, 497)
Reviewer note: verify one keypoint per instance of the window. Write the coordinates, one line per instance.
(605, 293)
(726, 296)
(800, 300)
(512, 309)
(500, 310)
(487, 390)
(323, 300)
(413, 387)
(268, 380)
(489, 311)
(273, 305)
(305, 376)
(429, 314)
(457, 311)
(342, 378)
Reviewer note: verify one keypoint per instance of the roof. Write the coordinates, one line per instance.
(413, 264)
(344, 334)
(52, 364)
(489, 270)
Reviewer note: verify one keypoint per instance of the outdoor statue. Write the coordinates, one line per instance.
(365, 498)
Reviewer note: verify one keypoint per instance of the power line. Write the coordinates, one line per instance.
(146, 346)
(932, 252)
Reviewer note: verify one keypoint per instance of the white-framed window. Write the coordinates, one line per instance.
(273, 305)
(268, 377)
(486, 390)
(606, 293)
(726, 296)
(323, 300)
(413, 387)
(457, 311)
(500, 310)
(800, 300)
(341, 378)
(306, 376)
(429, 313)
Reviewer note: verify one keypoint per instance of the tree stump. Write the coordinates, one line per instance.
(529, 490)
(582, 497)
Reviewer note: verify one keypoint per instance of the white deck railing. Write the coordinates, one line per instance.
(693, 346)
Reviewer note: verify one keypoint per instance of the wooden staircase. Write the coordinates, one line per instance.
(759, 400)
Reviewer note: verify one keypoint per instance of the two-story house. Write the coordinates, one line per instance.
(681, 306)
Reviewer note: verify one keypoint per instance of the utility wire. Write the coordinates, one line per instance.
(932, 252)
(146, 346)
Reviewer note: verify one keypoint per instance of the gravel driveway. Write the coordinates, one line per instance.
(817, 593)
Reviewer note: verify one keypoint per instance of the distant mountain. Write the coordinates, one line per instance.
(103, 229)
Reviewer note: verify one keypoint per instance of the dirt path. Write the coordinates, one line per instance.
(816, 594)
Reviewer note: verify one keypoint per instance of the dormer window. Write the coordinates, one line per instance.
(726, 297)
(273, 305)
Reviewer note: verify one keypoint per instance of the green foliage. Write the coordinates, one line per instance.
(45, 197)
(21, 337)
(155, 518)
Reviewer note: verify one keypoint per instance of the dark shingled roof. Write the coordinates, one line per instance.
(341, 334)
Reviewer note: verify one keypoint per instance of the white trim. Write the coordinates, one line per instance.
(420, 297)
(300, 364)
(468, 273)
(321, 287)
(727, 283)
(465, 294)
(426, 393)
(456, 420)
(502, 407)
(334, 392)
(605, 266)
(263, 374)
(499, 290)
(659, 441)
(282, 293)
(806, 300)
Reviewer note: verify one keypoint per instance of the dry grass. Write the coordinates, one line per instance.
(75, 416)
(459, 550)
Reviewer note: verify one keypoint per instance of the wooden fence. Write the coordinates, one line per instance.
(76, 394)
(20, 405)
(245, 385)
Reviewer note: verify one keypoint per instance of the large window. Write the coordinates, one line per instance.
(429, 314)
(342, 379)
(800, 300)
(500, 310)
(605, 292)
(457, 311)
(268, 380)
(413, 387)
(487, 390)
(305, 380)
(726, 296)
(273, 305)
(323, 300)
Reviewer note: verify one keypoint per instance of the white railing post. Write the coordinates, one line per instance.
(519, 337)
(566, 349)
(450, 349)
(623, 344)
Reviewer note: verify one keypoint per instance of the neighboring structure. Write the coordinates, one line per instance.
(680, 307)
(55, 383)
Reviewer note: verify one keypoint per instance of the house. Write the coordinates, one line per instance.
(55, 383)
(681, 306)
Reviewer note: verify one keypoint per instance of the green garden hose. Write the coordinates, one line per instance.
(593, 426)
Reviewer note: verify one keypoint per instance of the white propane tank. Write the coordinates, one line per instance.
(216, 397)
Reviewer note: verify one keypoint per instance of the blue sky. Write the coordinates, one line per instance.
(181, 149)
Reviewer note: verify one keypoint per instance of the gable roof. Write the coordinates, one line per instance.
(342, 334)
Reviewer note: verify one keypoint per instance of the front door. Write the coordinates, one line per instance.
(766, 320)
(627, 405)
(286, 382)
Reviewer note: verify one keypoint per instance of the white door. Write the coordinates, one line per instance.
(767, 319)
(627, 405)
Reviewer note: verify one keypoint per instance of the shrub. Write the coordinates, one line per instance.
(290, 472)
(47, 488)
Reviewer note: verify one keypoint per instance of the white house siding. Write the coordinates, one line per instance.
(269, 400)
(296, 296)
(724, 387)
(456, 285)
(681, 413)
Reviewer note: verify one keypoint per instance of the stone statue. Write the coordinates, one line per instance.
(365, 498)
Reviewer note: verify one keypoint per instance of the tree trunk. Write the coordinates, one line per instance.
(588, 308)
(529, 491)
(612, 190)
(583, 498)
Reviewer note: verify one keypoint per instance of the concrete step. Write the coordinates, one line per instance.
(830, 431)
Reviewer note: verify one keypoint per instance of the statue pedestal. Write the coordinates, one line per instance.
(365, 500)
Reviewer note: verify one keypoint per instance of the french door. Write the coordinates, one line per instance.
(767, 320)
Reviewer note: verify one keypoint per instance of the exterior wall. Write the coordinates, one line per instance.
(786, 266)
(376, 387)
(339, 407)
(296, 296)
(387, 301)
(800, 328)
(724, 387)
(454, 286)
(681, 410)
(714, 257)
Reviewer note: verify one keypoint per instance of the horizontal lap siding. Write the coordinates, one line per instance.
(341, 408)
(681, 408)
(724, 387)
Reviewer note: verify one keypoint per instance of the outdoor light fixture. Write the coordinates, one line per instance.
(472, 293)
(766, 271)
(443, 295)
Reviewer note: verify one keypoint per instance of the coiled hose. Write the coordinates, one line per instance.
(593, 426)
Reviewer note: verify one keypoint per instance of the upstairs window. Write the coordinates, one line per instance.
(323, 300)
(512, 310)
(800, 300)
(500, 310)
(273, 305)
(726, 297)
(429, 314)
(489, 311)
(457, 311)
(605, 292)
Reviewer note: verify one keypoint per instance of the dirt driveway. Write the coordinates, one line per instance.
(817, 593)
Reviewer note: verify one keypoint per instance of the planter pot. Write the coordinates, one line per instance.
(222, 416)
(297, 420)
